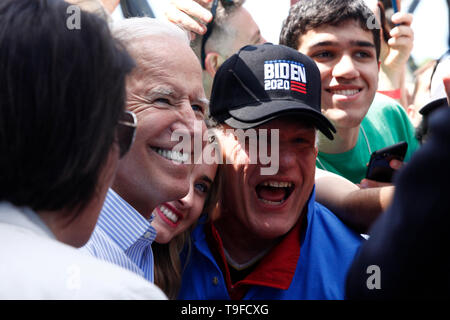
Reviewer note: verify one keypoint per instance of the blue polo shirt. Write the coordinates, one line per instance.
(311, 262)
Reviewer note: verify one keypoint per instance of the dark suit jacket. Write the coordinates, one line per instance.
(410, 242)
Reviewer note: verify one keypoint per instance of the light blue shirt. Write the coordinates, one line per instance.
(123, 236)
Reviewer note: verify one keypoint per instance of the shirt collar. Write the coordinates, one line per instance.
(24, 217)
(121, 222)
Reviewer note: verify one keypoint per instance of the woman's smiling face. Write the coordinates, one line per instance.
(174, 217)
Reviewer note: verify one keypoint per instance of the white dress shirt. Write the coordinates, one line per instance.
(34, 265)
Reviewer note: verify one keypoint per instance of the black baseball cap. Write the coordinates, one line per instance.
(264, 82)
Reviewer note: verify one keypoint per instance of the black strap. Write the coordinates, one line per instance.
(136, 8)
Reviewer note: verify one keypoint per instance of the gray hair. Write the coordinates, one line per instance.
(130, 30)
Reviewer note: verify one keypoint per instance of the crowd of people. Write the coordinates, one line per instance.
(99, 195)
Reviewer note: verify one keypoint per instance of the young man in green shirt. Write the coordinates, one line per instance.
(335, 34)
(385, 123)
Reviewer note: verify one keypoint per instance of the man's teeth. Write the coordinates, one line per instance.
(277, 184)
(271, 202)
(169, 214)
(345, 92)
(172, 155)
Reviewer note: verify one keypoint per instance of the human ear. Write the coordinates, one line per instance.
(212, 63)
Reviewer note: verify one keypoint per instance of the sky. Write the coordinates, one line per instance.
(430, 27)
(269, 15)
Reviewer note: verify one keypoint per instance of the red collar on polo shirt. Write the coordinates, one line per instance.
(275, 270)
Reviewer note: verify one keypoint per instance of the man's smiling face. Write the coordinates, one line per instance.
(166, 94)
(346, 57)
(265, 207)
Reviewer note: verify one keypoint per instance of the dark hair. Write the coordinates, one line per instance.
(306, 15)
(219, 26)
(61, 93)
(421, 132)
(386, 3)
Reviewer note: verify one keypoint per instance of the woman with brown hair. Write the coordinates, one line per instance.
(175, 220)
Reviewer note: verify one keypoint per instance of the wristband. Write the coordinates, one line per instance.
(394, 94)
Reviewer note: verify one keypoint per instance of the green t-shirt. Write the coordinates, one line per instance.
(385, 124)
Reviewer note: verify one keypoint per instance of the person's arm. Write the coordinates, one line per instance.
(393, 66)
(358, 208)
(110, 5)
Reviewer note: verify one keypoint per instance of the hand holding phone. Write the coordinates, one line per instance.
(379, 168)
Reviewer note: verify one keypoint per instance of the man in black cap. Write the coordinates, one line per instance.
(271, 240)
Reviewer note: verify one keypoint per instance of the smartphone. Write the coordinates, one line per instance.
(378, 168)
(395, 8)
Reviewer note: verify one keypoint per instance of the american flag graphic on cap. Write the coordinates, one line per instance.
(298, 86)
